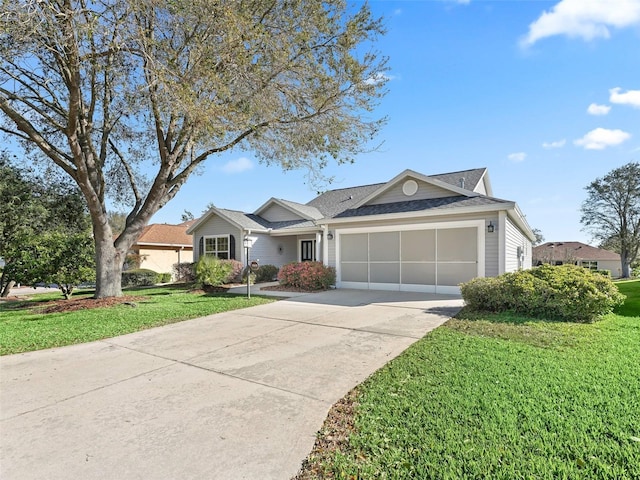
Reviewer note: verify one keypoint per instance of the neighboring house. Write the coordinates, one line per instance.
(160, 246)
(414, 232)
(577, 253)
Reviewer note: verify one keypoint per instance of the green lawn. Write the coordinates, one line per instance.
(502, 397)
(23, 328)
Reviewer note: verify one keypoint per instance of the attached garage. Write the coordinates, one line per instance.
(424, 258)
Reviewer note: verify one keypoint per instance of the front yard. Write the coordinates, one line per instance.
(497, 397)
(34, 324)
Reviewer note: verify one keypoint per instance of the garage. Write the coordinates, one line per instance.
(428, 258)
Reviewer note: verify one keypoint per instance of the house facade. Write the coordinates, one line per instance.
(161, 246)
(415, 232)
(577, 253)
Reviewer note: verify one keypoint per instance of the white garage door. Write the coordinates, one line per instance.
(429, 260)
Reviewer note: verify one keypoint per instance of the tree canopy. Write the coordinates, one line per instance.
(611, 212)
(129, 97)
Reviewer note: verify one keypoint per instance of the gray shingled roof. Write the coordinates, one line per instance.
(304, 210)
(420, 205)
(245, 220)
(333, 202)
(471, 178)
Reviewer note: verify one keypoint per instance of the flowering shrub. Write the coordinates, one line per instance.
(266, 273)
(566, 292)
(307, 275)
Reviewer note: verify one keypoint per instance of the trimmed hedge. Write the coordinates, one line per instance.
(184, 271)
(140, 277)
(565, 292)
(307, 276)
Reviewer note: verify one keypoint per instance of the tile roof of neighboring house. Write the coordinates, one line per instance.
(164, 234)
(420, 205)
(572, 250)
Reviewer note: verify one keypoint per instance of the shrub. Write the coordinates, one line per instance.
(267, 273)
(565, 292)
(140, 278)
(165, 277)
(184, 271)
(307, 275)
(211, 271)
(236, 271)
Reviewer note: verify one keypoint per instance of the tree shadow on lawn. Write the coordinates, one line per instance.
(531, 331)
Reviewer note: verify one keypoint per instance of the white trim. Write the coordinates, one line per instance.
(480, 253)
(223, 235)
(421, 214)
(325, 245)
(284, 205)
(502, 242)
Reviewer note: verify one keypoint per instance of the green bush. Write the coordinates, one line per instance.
(140, 277)
(236, 271)
(211, 271)
(266, 273)
(565, 292)
(184, 271)
(165, 277)
(307, 276)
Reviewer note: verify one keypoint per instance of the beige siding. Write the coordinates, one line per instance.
(614, 266)
(217, 226)
(514, 238)
(162, 259)
(425, 190)
(277, 213)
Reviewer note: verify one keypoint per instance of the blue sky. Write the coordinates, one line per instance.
(545, 94)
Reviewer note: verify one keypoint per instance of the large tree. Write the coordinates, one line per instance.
(110, 89)
(611, 211)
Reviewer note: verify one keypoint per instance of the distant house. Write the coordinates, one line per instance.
(161, 246)
(577, 253)
(416, 232)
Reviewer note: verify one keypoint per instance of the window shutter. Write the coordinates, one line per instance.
(201, 247)
(232, 247)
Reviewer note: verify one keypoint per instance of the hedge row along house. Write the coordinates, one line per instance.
(415, 232)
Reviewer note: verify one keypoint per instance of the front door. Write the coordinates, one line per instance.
(307, 250)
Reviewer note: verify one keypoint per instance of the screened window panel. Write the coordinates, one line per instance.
(354, 272)
(354, 247)
(419, 245)
(452, 274)
(457, 244)
(419, 273)
(385, 272)
(384, 247)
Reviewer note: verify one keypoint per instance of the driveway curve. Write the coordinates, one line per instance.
(235, 395)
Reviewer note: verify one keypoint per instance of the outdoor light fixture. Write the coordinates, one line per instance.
(490, 227)
(329, 236)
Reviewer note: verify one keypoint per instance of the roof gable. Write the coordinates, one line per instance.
(278, 210)
(423, 187)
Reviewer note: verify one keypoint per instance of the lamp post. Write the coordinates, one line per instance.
(247, 247)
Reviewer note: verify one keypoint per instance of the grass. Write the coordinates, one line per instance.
(23, 328)
(503, 397)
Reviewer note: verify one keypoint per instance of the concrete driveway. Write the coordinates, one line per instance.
(238, 395)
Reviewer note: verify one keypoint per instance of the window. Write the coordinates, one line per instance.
(590, 264)
(217, 246)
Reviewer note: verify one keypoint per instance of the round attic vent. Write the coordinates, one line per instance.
(410, 187)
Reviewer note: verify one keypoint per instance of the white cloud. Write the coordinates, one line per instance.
(630, 97)
(240, 165)
(595, 109)
(601, 138)
(586, 19)
(379, 78)
(517, 157)
(556, 144)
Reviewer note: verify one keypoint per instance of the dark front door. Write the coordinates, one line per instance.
(307, 250)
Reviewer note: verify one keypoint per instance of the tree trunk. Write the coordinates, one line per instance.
(7, 289)
(109, 262)
(626, 266)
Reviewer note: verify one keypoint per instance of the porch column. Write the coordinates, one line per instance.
(319, 243)
(325, 245)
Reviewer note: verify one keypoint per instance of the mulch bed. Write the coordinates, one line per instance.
(332, 437)
(74, 304)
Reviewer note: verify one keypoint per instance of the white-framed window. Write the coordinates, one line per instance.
(217, 245)
(590, 264)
